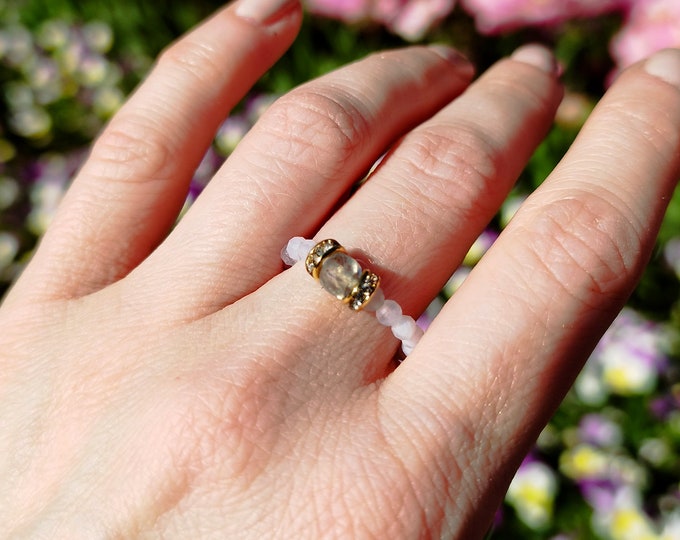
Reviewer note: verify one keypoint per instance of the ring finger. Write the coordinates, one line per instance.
(437, 190)
(129, 192)
(433, 193)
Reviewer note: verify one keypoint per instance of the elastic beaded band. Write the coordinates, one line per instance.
(342, 276)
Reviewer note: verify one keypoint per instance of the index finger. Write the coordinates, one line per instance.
(130, 190)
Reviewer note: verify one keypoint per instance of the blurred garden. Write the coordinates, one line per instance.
(608, 464)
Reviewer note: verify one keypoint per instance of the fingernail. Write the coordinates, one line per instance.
(666, 66)
(452, 56)
(537, 56)
(260, 11)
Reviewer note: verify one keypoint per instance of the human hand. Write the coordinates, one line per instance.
(186, 386)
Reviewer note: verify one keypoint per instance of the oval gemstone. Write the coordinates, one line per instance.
(339, 274)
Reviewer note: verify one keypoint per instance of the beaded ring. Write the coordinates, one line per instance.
(342, 276)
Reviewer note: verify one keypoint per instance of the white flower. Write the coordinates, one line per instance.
(671, 527)
(532, 494)
(626, 520)
(9, 247)
(627, 361)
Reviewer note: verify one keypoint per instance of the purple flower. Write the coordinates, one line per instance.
(600, 493)
(532, 493)
(230, 133)
(598, 430)
(663, 406)
(480, 246)
(628, 359)
(204, 172)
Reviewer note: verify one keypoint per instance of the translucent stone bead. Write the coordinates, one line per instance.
(296, 249)
(404, 328)
(339, 274)
(388, 313)
(303, 248)
(408, 346)
(286, 256)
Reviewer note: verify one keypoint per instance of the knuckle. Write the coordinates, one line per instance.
(132, 150)
(192, 59)
(220, 430)
(656, 132)
(320, 123)
(460, 156)
(463, 149)
(588, 245)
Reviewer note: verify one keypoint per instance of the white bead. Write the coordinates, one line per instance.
(404, 328)
(296, 249)
(408, 346)
(286, 255)
(376, 302)
(303, 248)
(389, 313)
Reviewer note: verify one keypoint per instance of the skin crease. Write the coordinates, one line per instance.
(184, 385)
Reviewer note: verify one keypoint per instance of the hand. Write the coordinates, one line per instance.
(186, 386)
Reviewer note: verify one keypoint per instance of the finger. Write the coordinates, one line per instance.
(491, 370)
(415, 218)
(291, 170)
(129, 192)
(441, 182)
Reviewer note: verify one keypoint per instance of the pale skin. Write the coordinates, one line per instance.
(185, 385)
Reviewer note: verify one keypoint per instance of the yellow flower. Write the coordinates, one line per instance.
(583, 461)
(631, 524)
(532, 494)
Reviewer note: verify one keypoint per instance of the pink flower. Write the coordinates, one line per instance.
(344, 10)
(651, 25)
(410, 19)
(494, 16)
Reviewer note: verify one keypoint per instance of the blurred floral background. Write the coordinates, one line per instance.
(607, 466)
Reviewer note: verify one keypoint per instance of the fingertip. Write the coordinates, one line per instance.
(454, 57)
(264, 11)
(537, 56)
(665, 65)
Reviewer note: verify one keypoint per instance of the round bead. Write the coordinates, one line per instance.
(287, 252)
(388, 313)
(408, 346)
(296, 249)
(303, 248)
(287, 259)
(339, 274)
(404, 328)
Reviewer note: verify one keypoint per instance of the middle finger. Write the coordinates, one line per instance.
(438, 189)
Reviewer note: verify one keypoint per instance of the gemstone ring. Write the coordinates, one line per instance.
(341, 275)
